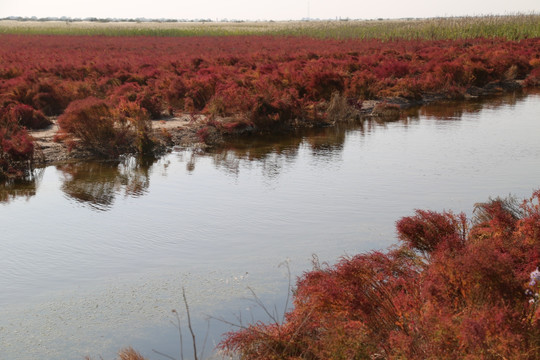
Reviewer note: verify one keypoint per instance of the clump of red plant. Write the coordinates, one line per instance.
(105, 129)
(16, 145)
(27, 116)
(454, 288)
(255, 84)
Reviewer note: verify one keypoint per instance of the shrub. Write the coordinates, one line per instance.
(362, 85)
(29, 117)
(152, 103)
(48, 100)
(132, 92)
(533, 79)
(134, 116)
(427, 229)
(92, 121)
(321, 84)
(230, 99)
(16, 147)
(175, 92)
(446, 292)
(396, 69)
(200, 90)
(40, 94)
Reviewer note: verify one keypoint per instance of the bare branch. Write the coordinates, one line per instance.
(261, 304)
(178, 326)
(189, 324)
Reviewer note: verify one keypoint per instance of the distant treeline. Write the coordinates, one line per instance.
(106, 20)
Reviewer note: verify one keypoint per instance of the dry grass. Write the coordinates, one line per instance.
(130, 354)
(339, 110)
(515, 27)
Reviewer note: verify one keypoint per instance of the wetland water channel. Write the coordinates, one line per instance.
(94, 255)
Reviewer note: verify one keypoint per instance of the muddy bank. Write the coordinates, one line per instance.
(173, 131)
(202, 131)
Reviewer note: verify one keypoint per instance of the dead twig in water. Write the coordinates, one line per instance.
(178, 326)
(189, 324)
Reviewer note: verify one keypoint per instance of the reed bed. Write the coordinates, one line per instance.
(512, 27)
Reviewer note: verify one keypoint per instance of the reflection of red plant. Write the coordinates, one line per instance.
(446, 292)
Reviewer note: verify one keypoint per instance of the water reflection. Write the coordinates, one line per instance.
(96, 184)
(273, 153)
(20, 188)
(270, 154)
(454, 110)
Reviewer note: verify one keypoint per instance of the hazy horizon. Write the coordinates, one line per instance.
(262, 10)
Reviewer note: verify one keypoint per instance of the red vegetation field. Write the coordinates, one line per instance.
(453, 289)
(244, 82)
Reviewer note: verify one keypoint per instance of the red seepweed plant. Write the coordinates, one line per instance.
(91, 120)
(453, 289)
(250, 83)
(16, 145)
(28, 117)
(193, 74)
(108, 129)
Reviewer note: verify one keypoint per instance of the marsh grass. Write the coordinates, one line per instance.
(512, 27)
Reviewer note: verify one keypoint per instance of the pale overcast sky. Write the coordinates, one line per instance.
(263, 9)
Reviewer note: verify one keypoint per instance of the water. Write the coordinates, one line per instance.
(94, 256)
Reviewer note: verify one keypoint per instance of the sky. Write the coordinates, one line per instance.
(263, 9)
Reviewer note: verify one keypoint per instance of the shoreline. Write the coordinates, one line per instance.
(49, 151)
(184, 130)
